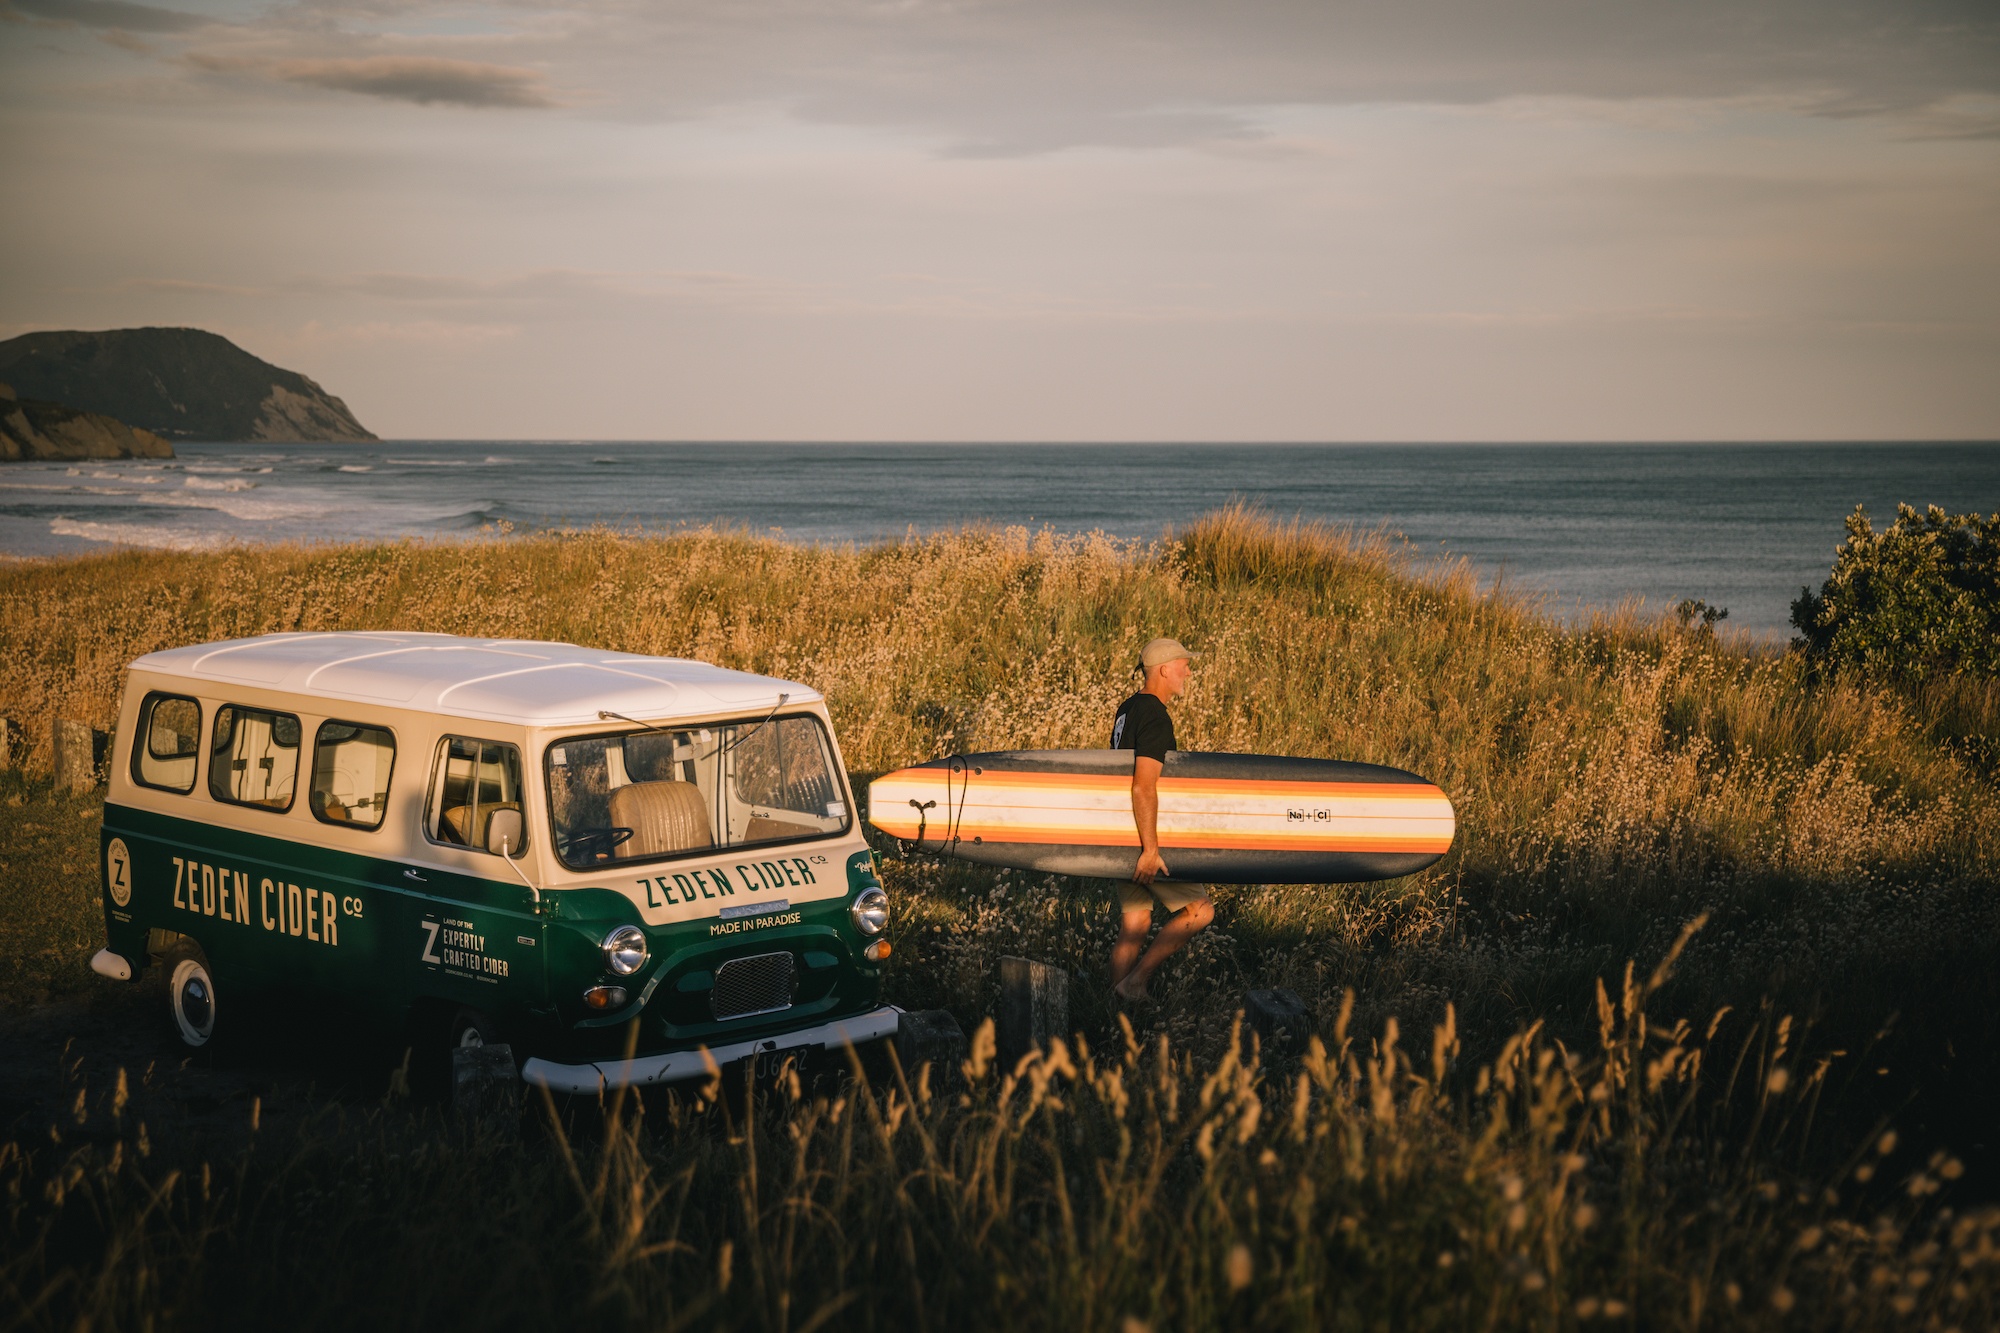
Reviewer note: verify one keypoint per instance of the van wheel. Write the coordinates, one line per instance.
(191, 995)
(470, 1028)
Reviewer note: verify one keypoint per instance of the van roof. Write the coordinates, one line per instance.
(507, 680)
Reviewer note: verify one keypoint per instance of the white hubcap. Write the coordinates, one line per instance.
(193, 992)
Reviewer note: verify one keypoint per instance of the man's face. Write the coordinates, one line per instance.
(1172, 677)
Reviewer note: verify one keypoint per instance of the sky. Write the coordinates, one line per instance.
(1261, 220)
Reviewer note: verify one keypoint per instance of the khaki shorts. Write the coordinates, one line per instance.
(1173, 895)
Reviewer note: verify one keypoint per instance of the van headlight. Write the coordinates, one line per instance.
(871, 911)
(625, 950)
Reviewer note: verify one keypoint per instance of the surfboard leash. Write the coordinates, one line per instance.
(953, 812)
(954, 815)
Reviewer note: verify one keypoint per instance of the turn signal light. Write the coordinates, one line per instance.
(877, 951)
(605, 997)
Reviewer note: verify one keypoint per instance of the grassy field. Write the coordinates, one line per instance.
(1501, 1125)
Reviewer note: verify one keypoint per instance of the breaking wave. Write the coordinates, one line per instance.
(259, 509)
(150, 536)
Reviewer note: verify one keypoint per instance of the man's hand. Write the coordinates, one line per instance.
(1146, 814)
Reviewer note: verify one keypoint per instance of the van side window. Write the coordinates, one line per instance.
(254, 757)
(168, 744)
(350, 779)
(476, 785)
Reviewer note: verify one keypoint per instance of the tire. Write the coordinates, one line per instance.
(192, 1001)
(471, 1027)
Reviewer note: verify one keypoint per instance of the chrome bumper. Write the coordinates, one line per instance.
(680, 1066)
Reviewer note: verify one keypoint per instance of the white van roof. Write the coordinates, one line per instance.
(505, 680)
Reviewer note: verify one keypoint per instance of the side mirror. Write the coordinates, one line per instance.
(504, 831)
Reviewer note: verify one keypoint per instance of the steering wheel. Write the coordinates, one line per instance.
(593, 844)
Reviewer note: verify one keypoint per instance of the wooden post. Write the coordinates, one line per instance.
(1034, 1007)
(75, 765)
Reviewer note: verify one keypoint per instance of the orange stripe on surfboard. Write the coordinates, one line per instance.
(928, 778)
(1195, 839)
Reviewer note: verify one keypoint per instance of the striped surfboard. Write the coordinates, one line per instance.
(1224, 818)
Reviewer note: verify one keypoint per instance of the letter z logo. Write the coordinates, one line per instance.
(118, 871)
(430, 942)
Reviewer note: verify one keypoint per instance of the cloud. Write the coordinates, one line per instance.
(1957, 118)
(422, 79)
(1009, 78)
(993, 77)
(125, 41)
(113, 14)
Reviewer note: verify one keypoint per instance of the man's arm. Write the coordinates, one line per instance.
(1146, 814)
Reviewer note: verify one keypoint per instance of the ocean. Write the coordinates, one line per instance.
(1585, 526)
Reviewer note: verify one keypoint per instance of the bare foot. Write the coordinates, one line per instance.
(1133, 987)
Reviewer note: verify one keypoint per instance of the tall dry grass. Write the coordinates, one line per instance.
(1613, 782)
(1122, 1187)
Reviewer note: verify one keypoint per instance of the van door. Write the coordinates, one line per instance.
(473, 939)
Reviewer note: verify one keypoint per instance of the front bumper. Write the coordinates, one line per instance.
(680, 1066)
(108, 964)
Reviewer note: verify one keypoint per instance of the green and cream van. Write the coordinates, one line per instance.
(497, 840)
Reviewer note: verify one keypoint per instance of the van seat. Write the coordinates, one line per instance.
(453, 827)
(663, 817)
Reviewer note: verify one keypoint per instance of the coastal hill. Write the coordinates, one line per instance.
(31, 429)
(180, 383)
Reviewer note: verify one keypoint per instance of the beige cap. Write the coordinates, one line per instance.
(1159, 652)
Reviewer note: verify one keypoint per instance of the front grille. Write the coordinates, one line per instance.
(759, 985)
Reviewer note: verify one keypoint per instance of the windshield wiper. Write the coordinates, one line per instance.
(759, 727)
(606, 715)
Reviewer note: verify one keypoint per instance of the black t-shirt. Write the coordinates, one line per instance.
(1143, 725)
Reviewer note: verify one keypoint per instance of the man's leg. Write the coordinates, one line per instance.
(1180, 928)
(1134, 924)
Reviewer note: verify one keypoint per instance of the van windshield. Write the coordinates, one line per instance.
(648, 795)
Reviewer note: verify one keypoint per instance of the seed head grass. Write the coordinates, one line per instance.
(1502, 1120)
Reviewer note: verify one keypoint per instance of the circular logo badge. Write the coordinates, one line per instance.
(118, 871)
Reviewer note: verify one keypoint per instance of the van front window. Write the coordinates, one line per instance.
(641, 796)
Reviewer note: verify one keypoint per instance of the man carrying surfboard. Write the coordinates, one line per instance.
(1144, 726)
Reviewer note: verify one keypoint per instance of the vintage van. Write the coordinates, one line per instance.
(496, 840)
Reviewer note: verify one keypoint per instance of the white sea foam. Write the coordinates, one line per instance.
(100, 475)
(356, 467)
(140, 534)
(491, 460)
(227, 484)
(255, 510)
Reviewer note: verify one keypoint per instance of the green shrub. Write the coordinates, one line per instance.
(1919, 599)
